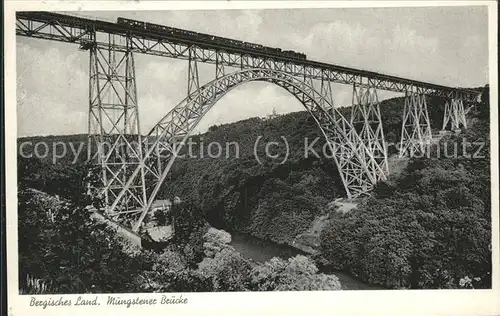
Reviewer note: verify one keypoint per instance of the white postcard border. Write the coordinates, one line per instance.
(410, 302)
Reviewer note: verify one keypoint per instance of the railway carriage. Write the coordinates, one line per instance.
(210, 39)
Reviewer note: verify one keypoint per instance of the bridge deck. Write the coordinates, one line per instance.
(78, 30)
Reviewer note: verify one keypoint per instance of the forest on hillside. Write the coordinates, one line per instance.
(430, 227)
(62, 249)
(275, 201)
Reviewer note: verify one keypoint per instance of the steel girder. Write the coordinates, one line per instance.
(219, 64)
(71, 29)
(193, 77)
(454, 113)
(326, 92)
(366, 118)
(416, 131)
(354, 161)
(115, 142)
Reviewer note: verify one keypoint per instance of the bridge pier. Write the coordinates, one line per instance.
(193, 78)
(126, 162)
(114, 138)
(366, 119)
(454, 114)
(219, 64)
(416, 131)
(308, 80)
(326, 91)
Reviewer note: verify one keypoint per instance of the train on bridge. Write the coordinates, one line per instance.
(209, 39)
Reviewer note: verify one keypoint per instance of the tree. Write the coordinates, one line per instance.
(296, 274)
(190, 227)
(228, 269)
(61, 244)
(430, 229)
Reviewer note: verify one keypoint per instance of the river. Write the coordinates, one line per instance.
(261, 250)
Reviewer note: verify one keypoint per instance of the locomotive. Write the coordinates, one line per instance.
(210, 39)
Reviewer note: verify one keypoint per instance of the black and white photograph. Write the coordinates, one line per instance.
(164, 153)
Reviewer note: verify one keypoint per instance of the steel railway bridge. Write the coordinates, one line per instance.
(133, 167)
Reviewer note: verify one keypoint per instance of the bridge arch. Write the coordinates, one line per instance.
(357, 167)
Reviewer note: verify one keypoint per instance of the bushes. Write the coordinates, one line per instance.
(191, 281)
(407, 247)
(238, 193)
(283, 212)
(215, 241)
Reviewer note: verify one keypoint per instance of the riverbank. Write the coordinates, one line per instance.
(260, 250)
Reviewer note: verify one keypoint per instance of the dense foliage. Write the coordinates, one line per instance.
(60, 244)
(279, 199)
(59, 179)
(429, 229)
(273, 200)
(295, 274)
(63, 250)
(190, 228)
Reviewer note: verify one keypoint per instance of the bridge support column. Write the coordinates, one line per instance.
(366, 119)
(454, 113)
(193, 78)
(219, 65)
(326, 92)
(416, 128)
(193, 85)
(115, 143)
(308, 80)
(350, 173)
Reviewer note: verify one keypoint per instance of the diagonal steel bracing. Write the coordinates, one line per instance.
(366, 119)
(219, 64)
(352, 157)
(71, 29)
(416, 128)
(193, 78)
(113, 128)
(126, 166)
(454, 114)
(326, 91)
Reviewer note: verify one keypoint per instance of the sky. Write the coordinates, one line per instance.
(442, 45)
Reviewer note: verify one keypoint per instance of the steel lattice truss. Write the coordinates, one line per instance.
(71, 29)
(355, 162)
(454, 113)
(115, 142)
(366, 118)
(133, 168)
(416, 131)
